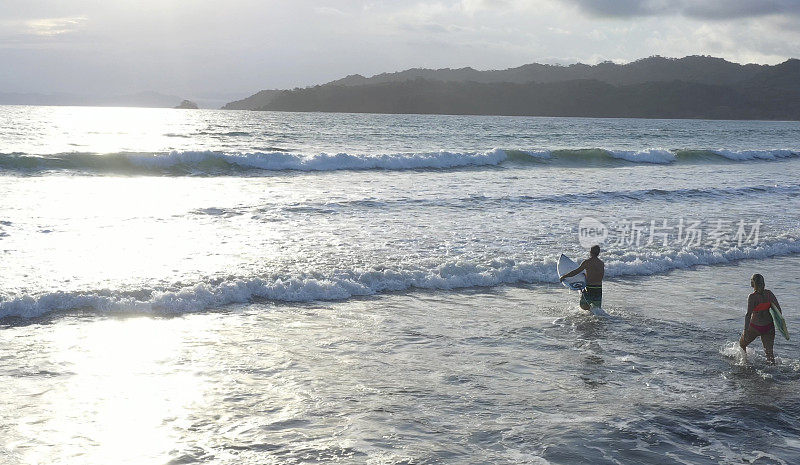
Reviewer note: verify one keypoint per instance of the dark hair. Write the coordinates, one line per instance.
(758, 283)
(595, 250)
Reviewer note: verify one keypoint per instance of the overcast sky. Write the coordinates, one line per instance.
(199, 47)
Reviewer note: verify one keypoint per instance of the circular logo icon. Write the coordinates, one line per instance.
(591, 232)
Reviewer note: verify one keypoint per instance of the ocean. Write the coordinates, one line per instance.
(211, 286)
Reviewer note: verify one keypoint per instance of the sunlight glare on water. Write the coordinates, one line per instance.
(124, 384)
(112, 130)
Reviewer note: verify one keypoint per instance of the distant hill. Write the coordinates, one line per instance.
(253, 102)
(702, 69)
(784, 76)
(655, 87)
(589, 98)
(141, 99)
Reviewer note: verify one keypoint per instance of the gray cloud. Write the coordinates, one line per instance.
(698, 9)
(193, 47)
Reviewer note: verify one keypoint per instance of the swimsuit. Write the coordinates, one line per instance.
(592, 295)
(763, 307)
(763, 329)
(765, 332)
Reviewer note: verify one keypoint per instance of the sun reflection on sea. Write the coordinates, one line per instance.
(112, 130)
(130, 388)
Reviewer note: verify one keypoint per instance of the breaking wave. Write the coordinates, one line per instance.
(210, 163)
(219, 163)
(345, 284)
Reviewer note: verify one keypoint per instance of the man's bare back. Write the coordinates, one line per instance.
(595, 270)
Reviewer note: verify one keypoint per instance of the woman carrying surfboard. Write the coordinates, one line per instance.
(758, 322)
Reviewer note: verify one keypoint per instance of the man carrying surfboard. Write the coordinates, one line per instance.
(595, 269)
(759, 322)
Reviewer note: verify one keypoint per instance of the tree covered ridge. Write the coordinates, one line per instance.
(656, 87)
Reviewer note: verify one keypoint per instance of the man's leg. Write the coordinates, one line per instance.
(584, 303)
(592, 295)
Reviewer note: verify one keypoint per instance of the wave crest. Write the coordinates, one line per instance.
(350, 283)
(211, 163)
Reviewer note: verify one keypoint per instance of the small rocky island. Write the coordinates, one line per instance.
(187, 105)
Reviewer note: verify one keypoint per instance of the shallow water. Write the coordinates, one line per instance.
(173, 291)
(512, 374)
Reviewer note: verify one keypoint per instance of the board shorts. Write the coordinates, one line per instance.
(592, 295)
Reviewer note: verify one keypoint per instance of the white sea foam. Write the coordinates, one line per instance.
(278, 161)
(657, 156)
(349, 283)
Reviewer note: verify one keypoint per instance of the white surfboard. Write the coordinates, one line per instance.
(565, 265)
(780, 323)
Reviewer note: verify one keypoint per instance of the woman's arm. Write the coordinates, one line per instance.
(774, 300)
(750, 306)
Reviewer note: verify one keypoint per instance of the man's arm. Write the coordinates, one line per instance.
(574, 272)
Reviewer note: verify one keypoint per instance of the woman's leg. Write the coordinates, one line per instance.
(749, 335)
(768, 339)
